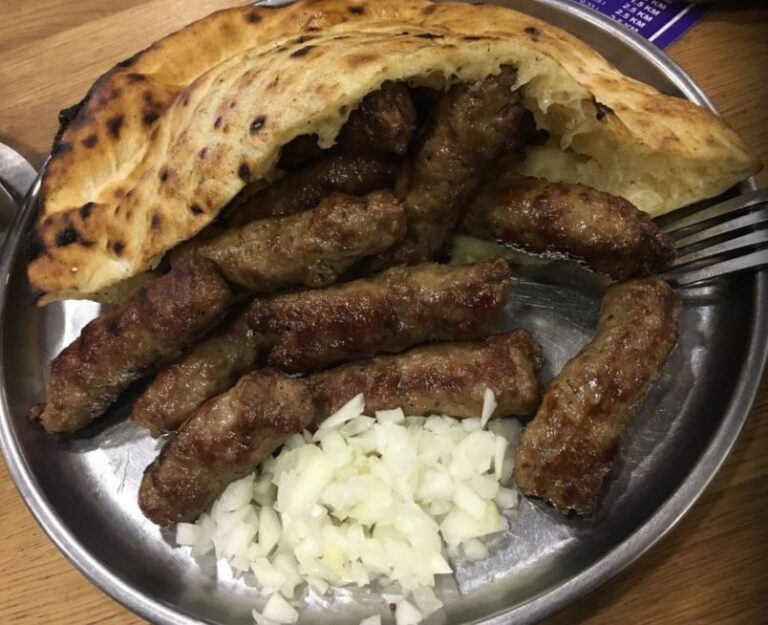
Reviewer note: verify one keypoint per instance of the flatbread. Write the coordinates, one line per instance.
(165, 139)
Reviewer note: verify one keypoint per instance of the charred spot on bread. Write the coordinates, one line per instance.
(356, 10)
(131, 60)
(219, 121)
(258, 123)
(150, 117)
(61, 148)
(91, 140)
(253, 17)
(118, 247)
(361, 59)
(34, 245)
(157, 221)
(196, 210)
(532, 31)
(301, 52)
(114, 124)
(602, 110)
(134, 77)
(85, 210)
(244, 172)
(202, 153)
(430, 36)
(67, 235)
(164, 174)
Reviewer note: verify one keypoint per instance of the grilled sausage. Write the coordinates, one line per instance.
(227, 437)
(606, 232)
(163, 317)
(383, 124)
(353, 174)
(397, 309)
(117, 348)
(466, 133)
(206, 369)
(230, 434)
(569, 447)
(312, 248)
(448, 378)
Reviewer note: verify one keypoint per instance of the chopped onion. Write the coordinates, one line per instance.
(187, 534)
(426, 601)
(474, 549)
(268, 577)
(279, 610)
(365, 499)
(371, 620)
(390, 416)
(269, 529)
(506, 498)
(489, 405)
(261, 619)
(407, 614)
(236, 495)
(353, 408)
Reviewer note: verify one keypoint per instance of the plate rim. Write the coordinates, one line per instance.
(658, 525)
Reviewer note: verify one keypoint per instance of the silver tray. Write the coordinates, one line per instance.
(82, 489)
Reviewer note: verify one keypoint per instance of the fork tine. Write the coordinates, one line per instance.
(745, 241)
(755, 218)
(684, 277)
(722, 209)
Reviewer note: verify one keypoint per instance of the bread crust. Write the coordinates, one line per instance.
(158, 147)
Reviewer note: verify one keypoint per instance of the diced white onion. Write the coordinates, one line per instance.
(390, 416)
(474, 549)
(269, 529)
(187, 534)
(279, 610)
(426, 601)
(489, 405)
(365, 499)
(236, 495)
(407, 614)
(261, 619)
(353, 408)
(506, 498)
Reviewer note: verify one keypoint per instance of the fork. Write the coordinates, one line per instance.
(718, 240)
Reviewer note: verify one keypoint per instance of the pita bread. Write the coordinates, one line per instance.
(164, 140)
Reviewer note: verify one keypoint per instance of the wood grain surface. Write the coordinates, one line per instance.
(712, 568)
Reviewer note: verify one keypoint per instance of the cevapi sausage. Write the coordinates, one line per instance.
(605, 232)
(569, 447)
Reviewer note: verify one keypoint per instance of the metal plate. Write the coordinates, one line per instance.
(82, 489)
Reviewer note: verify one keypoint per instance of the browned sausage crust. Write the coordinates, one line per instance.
(449, 378)
(206, 369)
(465, 134)
(353, 174)
(312, 248)
(569, 447)
(392, 311)
(225, 439)
(118, 347)
(606, 232)
(231, 433)
(384, 123)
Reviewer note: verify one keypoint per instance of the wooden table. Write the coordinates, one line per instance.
(711, 569)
